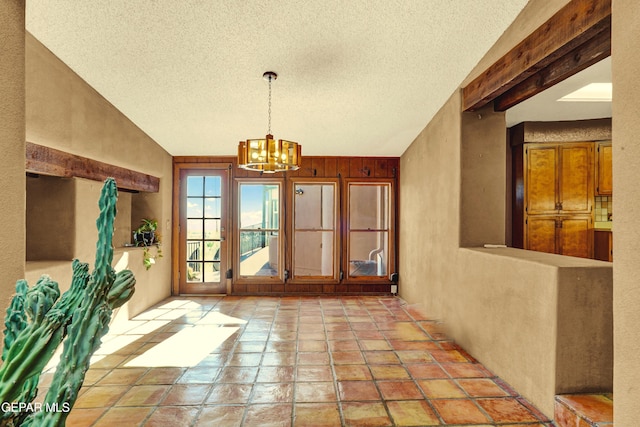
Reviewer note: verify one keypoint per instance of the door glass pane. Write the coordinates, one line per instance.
(212, 207)
(259, 246)
(369, 207)
(212, 186)
(194, 207)
(313, 253)
(212, 229)
(368, 253)
(194, 229)
(194, 186)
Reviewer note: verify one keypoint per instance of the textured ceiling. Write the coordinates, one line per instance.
(356, 77)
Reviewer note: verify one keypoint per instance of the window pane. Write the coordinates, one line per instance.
(212, 229)
(194, 251)
(212, 272)
(368, 253)
(194, 186)
(194, 207)
(194, 272)
(259, 206)
(212, 207)
(313, 253)
(259, 253)
(314, 207)
(369, 207)
(212, 251)
(194, 229)
(213, 186)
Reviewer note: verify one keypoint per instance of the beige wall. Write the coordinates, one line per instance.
(626, 164)
(513, 311)
(65, 113)
(12, 116)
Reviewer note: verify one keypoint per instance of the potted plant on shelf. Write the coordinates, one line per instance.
(147, 236)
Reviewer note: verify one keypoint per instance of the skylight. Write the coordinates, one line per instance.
(593, 92)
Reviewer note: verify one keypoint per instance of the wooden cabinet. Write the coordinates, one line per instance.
(559, 178)
(570, 235)
(558, 198)
(603, 245)
(604, 175)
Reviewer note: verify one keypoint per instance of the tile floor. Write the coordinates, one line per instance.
(290, 361)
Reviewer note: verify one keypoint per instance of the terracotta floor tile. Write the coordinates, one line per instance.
(227, 416)
(268, 415)
(440, 389)
(143, 395)
(101, 397)
(272, 393)
(229, 394)
(506, 410)
(344, 345)
(198, 375)
(276, 374)
(317, 415)
(123, 417)
(365, 334)
(595, 407)
(172, 416)
(122, 376)
(371, 345)
(161, 376)
(426, 371)
(245, 359)
(357, 390)
(352, 372)
(481, 387)
(279, 359)
(315, 392)
(314, 373)
(83, 417)
(414, 345)
(315, 358)
(389, 372)
(347, 358)
(412, 413)
(399, 390)
(406, 331)
(236, 374)
(186, 394)
(91, 377)
(414, 356)
(312, 346)
(444, 356)
(465, 370)
(459, 411)
(340, 335)
(381, 358)
(364, 414)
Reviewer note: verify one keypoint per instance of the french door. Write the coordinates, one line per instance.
(203, 251)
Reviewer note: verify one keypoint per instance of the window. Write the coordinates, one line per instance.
(369, 229)
(314, 230)
(259, 229)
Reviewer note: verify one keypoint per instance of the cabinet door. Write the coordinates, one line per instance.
(602, 249)
(540, 179)
(604, 170)
(574, 237)
(541, 234)
(575, 178)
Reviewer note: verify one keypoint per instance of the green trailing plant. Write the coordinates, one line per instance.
(147, 236)
(38, 320)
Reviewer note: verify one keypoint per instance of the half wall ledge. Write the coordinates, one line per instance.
(542, 322)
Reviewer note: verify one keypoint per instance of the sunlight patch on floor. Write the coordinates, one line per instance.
(186, 348)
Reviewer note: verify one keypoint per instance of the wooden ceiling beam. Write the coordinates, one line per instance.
(584, 56)
(572, 26)
(49, 161)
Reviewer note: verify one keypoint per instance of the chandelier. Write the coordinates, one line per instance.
(268, 155)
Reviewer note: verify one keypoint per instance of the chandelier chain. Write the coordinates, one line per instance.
(269, 132)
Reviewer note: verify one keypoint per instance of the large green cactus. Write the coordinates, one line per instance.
(36, 325)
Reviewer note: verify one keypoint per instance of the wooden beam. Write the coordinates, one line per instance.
(572, 26)
(584, 56)
(49, 161)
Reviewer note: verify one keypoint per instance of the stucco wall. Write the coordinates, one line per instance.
(514, 315)
(626, 164)
(12, 177)
(65, 113)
